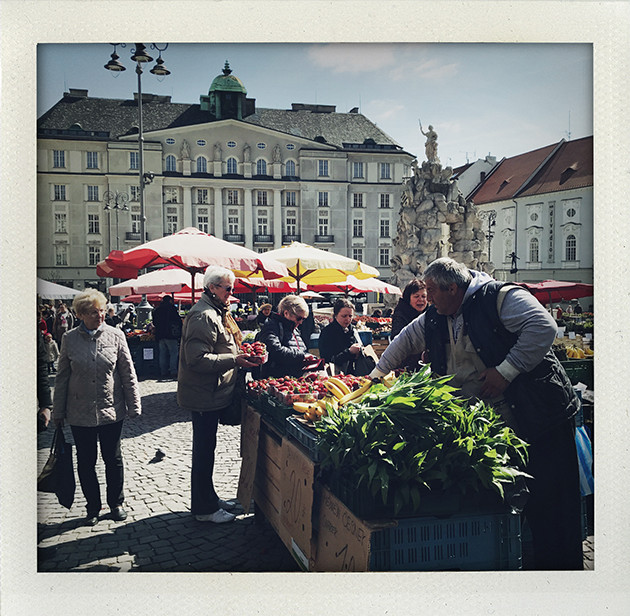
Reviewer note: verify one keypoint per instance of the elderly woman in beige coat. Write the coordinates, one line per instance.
(95, 389)
(209, 358)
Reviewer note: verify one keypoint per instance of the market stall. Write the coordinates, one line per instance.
(298, 444)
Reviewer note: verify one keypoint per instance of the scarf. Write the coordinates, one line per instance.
(226, 317)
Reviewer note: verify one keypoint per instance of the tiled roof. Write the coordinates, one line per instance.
(560, 166)
(120, 117)
(571, 167)
(508, 177)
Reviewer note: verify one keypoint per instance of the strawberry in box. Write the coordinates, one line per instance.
(256, 352)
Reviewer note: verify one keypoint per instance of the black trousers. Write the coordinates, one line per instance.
(203, 497)
(553, 510)
(85, 440)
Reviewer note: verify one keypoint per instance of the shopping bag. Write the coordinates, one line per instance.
(57, 476)
(585, 460)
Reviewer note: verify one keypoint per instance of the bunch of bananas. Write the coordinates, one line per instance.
(574, 352)
(339, 394)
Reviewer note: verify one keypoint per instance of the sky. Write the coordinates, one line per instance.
(501, 99)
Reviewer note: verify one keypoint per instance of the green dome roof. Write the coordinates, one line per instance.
(227, 82)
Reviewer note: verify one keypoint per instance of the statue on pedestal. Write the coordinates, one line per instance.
(430, 146)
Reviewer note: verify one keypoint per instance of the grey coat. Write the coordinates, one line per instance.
(207, 360)
(96, 380)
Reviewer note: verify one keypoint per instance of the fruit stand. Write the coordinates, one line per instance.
(329, 523)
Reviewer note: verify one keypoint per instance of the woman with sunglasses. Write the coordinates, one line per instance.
(287, 351)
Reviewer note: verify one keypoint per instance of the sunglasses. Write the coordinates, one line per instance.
(228, 289)
(298, 318)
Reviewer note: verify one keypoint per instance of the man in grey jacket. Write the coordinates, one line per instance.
(495, 339)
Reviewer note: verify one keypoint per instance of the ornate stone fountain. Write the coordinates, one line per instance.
(435, 221)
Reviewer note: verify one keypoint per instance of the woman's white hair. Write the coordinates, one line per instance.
(215, 274)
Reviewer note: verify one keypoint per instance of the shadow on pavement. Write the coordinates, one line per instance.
(168, 542)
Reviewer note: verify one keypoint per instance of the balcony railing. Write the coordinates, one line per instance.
(234, 237)
(325, 239)
(263, 239)
(132, 236)
(287, 239)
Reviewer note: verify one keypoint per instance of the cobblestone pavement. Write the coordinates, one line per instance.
(160, 534)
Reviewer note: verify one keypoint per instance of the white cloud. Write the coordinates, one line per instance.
(352, 58)
(428, 69)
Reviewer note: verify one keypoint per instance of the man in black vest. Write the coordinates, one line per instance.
(168, 331)
(495, 338)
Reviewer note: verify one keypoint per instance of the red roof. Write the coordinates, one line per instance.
(509, 175)
(571, 167)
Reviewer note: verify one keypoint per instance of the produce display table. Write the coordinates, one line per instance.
(324, 534)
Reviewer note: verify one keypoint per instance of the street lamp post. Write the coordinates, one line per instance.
(491, 217)
(140, 56)
(115, 201)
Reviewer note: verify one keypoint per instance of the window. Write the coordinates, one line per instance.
(384, 227)
(92, 160)
(232, 197)
(383, 257)
(134, 193)
(92, 193)
(357, 200)
(261, 146)
(261, 197)
(201, 142)
(202, 165)
(263, 222)
(357, 227)
(171, 163)
(357, 170)
(94, 225)
(231, 144)
(135, 223)
(202, 220)
(171, 220)
(322, 199)
(171, 195)
(61, 222)
(289, 169)
(60, 192)
(233, 220)
(94, 255)
(570, 248)
(134, 161)
(357, 253)
(170, 141)
(385, 171)
(571, 212)
(323, 222)
(261, 167)
(290, 198)
(322, 168)
(290, 146)
(291, 222)
(59, 158)
(61, 254)
(385, 200)
(232, 165)
(202, 195)
(534, 252)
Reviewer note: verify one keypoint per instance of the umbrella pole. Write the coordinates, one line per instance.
(192, 286)
(298, 277)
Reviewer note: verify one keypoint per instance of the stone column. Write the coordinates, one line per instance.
(277, 218)
(218, 213)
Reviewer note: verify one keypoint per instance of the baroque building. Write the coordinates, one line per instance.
(254, 176)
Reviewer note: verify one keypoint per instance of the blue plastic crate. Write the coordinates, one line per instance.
(488, 542)
(308, 438)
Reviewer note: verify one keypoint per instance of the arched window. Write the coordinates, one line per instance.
(202, 165)
(171, 163)
(534, 246)
(290, 168)
(261, 167)
(231, 165)
(570, 248)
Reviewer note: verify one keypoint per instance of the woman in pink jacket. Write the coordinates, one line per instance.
(95, 389)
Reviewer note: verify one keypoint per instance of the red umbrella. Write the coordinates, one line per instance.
(549, 291)
(193, 251)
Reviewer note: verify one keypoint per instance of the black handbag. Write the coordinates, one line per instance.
(57, 476)
(365, 361)
(231, 415)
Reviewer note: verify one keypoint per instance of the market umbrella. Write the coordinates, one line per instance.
(309, 265)
(52, 290)
(193, 251)
(182, 297)
(311, 295)
(549, 291)
(354, 285)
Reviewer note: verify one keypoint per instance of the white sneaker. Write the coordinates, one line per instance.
(229, 505)
(218, 517)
